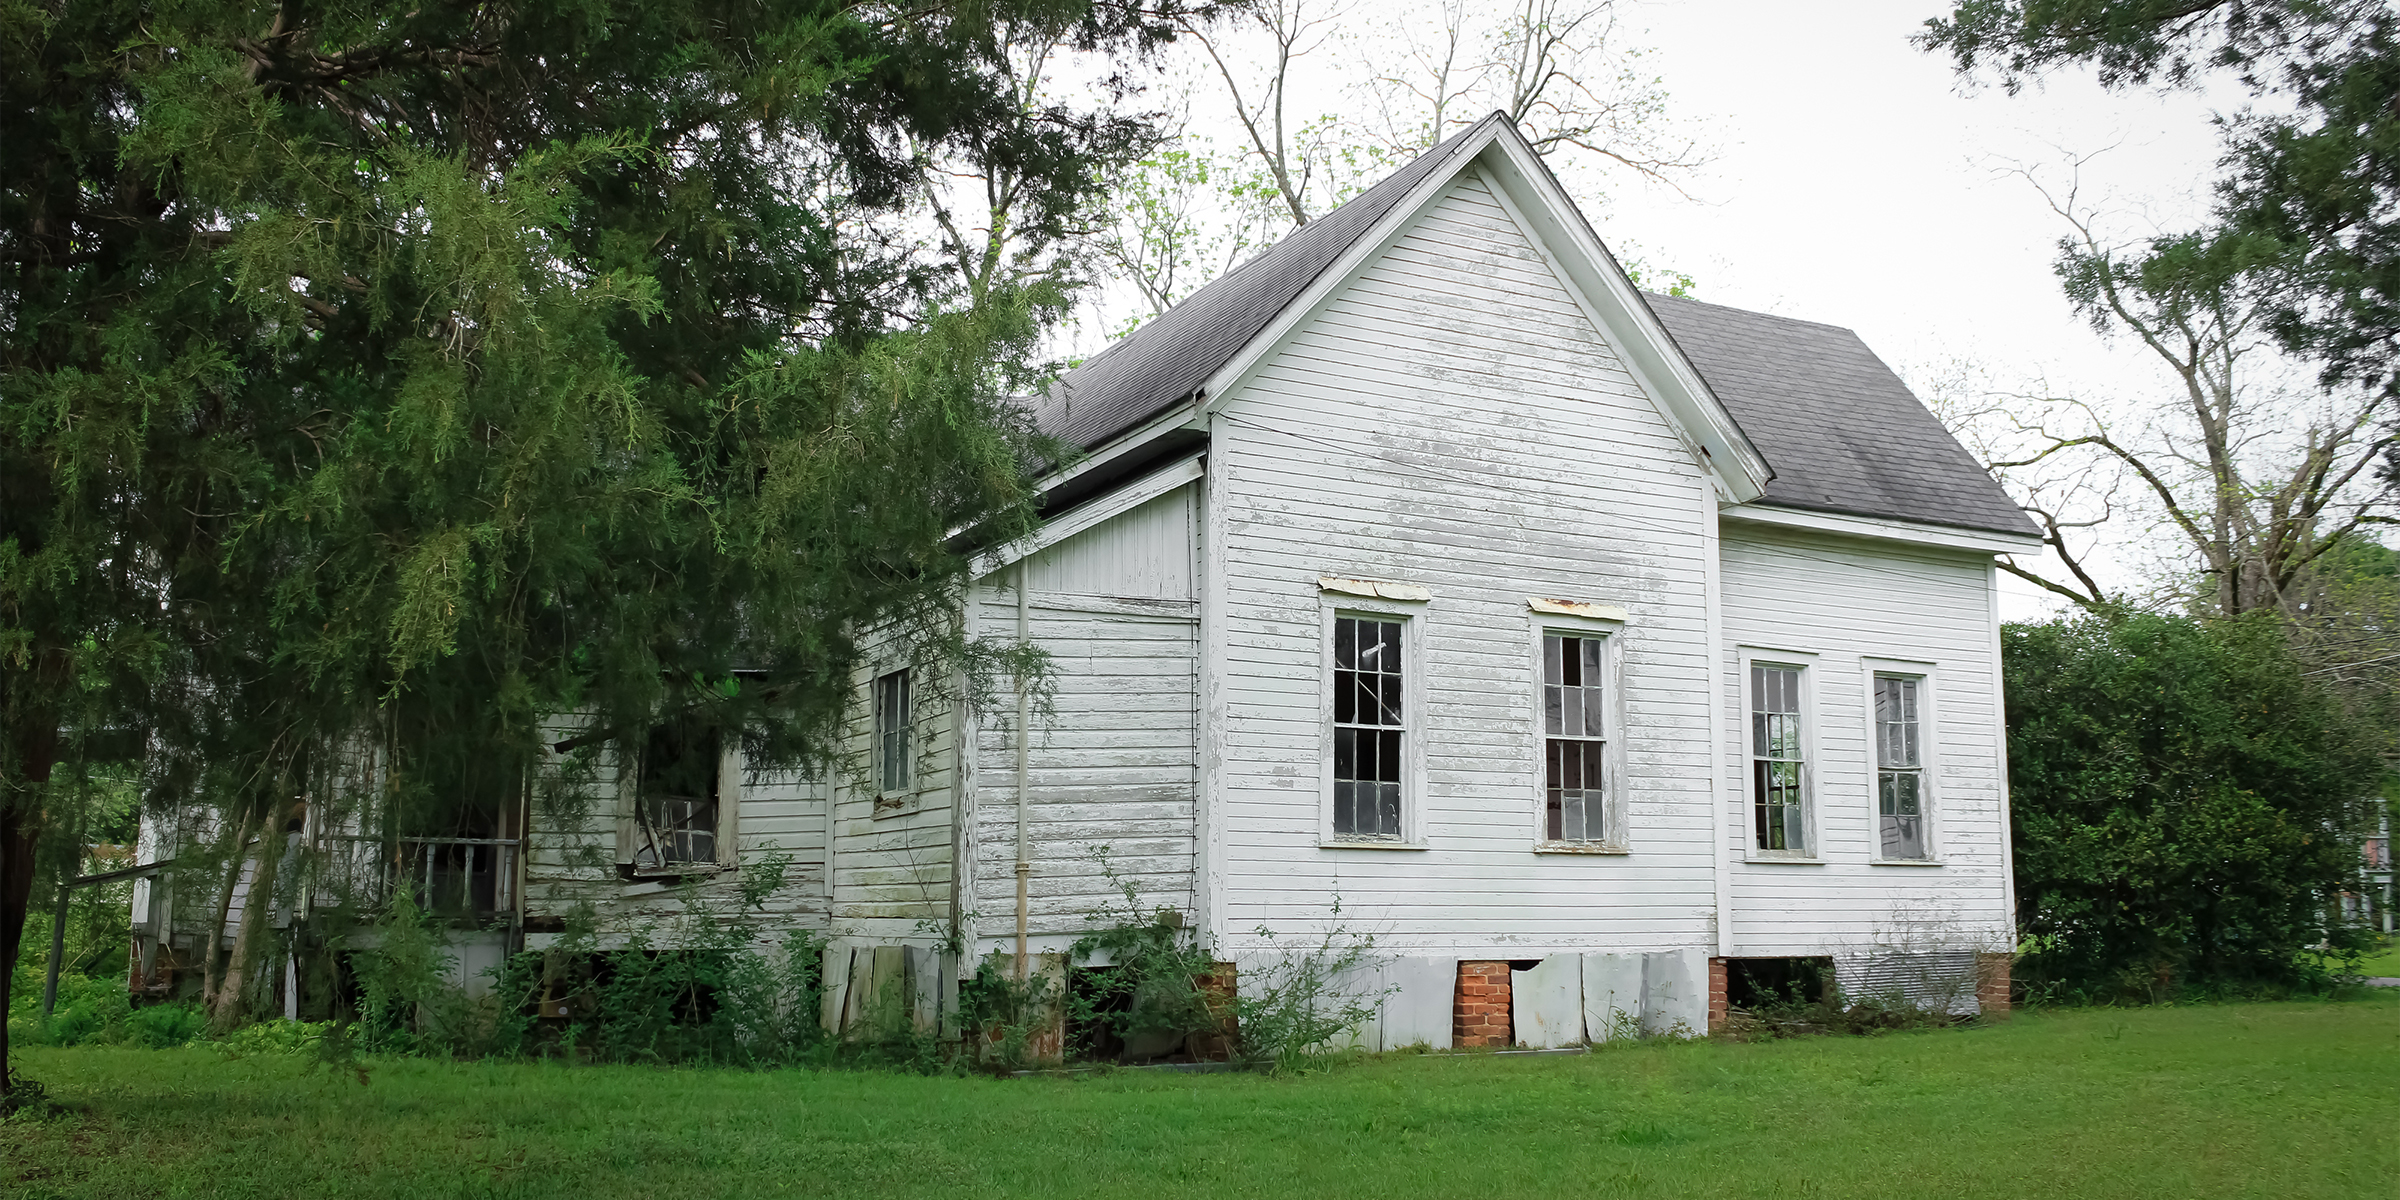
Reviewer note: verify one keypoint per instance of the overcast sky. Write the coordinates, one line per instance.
(1858, 184)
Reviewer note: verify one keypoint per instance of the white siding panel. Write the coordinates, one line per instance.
(1451, 418)
(1848, 601)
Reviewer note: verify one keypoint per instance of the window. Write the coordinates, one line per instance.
(1574, 738)
(1778, 759)
(1368, 728)
(675, 824)
(892, 733)
(1899, 767)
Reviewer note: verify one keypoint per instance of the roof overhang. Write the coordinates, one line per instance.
(1915, 533)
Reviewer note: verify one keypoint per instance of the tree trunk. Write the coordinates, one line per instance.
(211, 973)
(21, 814)
(235, 985)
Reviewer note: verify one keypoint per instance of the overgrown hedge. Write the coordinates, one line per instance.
(2186, 801)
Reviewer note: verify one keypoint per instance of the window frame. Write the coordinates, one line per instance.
(1811, 751)
(1612, 755)
(1929, 788)
(1411, 616)
(731, 764)
(888, 801)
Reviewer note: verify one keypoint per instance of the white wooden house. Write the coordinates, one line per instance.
(1558, 634)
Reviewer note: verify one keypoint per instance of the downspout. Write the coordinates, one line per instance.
(1024, 734)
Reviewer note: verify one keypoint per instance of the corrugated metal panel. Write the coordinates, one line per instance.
(1941, 979)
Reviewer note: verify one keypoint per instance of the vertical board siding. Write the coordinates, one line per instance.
(1452, 418)
(1146, 551)
(1847, 600)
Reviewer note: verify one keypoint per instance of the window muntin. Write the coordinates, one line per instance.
(1574, 738)
(1778, 759)
(893, 717)
(1369, 728)
(676, 820)
(1900, 799)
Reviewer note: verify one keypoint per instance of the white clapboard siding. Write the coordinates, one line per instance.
(571, 858)
(1451, 418)
(1111, 768)
(1848, 601)
(891, 874)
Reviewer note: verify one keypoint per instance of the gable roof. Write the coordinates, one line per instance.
(1160, 364)
(1844, 434)
(1838, 430)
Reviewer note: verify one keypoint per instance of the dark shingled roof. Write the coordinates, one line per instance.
(1841, 431)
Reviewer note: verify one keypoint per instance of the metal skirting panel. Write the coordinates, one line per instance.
(1941, 979)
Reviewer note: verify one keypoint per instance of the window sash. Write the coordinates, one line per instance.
(1369, 728)
(1900, 768)
(892, 728)
(677, 817)
(1778, 759)
(1574, 742)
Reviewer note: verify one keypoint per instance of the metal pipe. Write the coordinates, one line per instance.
(1024, 734)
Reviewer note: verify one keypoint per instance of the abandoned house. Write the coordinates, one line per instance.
(1426, 579)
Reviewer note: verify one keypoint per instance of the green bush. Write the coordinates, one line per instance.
(2186, 800)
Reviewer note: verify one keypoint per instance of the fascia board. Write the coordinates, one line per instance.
(1131, 495)
(1883, 529)
(1558, 228)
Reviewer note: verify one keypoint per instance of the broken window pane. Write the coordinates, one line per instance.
(677, 817)
(1900, 769)
(1574, 710)
(1367, 735)
(1778, 772)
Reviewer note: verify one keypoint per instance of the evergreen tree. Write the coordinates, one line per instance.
(438, 366)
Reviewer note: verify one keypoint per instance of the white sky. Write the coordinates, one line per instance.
(1856, 183)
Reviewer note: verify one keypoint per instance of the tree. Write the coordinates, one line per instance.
(2185, 801)
(2311, 190)
(2252, 481)
(1406, 79)
(426, 369)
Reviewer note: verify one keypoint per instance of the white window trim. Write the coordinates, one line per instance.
(898, 801)
(1811, 742)
(1929, 740)
(1411, 615)
(1547, 620)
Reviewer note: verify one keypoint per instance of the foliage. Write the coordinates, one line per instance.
(1150, 994)
(2310, 198)
(1296, 1004)
(2149, 1104)
(1003, 1016)
(2185, 801)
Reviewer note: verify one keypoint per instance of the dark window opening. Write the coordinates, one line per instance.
(676, 820)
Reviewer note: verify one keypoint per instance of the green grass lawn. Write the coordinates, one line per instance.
(2384, 962)
(2293, 1099)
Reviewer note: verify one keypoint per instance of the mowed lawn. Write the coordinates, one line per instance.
(2291, 1099)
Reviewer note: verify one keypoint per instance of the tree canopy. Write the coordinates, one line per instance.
(453, 364)
(2310, 194)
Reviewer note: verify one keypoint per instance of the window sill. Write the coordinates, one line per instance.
(1606, 849)
(896, 805)
(1905, 862)
(1362, 844)
(1783, 859)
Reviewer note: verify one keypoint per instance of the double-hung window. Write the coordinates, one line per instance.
(1900, 793)
(1369, 727)
(1574, 738)
(1778, 758)
(892, 729)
